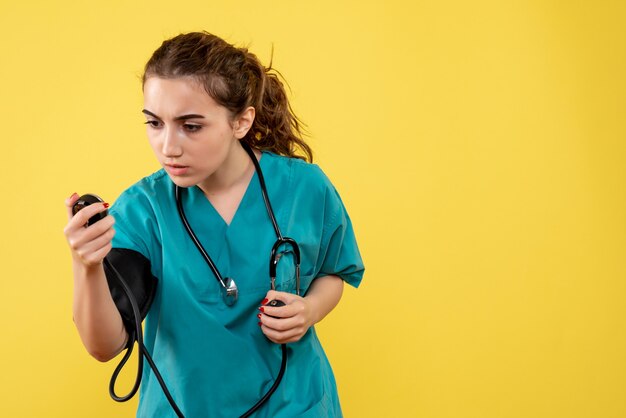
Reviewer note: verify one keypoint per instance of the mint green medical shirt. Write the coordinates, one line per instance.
(214, 358)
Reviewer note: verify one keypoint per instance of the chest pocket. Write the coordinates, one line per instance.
(286, 274)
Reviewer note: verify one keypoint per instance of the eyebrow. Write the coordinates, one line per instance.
(177, 118)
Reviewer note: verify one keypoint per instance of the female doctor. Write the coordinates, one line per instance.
(204, 100)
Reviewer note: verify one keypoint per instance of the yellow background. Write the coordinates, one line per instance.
(479, 147)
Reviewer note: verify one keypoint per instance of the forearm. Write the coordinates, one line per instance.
(96, 317)
(323, 295)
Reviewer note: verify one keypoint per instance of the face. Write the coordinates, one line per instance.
(191, 135)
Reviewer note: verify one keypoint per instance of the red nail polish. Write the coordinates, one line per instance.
(106, 205)
(260, 323)
(258, 316)
(261, 309)
(264, 301)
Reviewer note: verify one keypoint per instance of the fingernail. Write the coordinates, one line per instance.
(258, 316)
(73, 194)
(264, 301)
(261, 309)
(106, 205)
(260, 323)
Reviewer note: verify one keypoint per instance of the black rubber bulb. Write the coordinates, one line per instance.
(275, 303)
(86, 200)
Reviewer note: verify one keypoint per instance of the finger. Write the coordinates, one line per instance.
(78, 229)
(282, 324)
(279, 337)
(79, 236)
(82, 217)
(285, 297)
(293, 308)
(69, 202)
(291, 316)
(100, 227)
(276, 311)
(271, 295)
(96, 244)
(280, 311)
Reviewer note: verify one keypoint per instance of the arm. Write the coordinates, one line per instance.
(96, 317)
(300, 313)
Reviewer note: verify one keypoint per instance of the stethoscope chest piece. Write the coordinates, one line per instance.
(230, 293)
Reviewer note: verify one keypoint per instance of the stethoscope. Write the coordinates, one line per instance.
(229, 291)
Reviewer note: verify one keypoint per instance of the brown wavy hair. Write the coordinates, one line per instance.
(235, 79)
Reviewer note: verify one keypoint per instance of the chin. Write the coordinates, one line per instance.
(182, 181)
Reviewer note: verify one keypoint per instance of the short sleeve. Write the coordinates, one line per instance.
(135, 223)
(339, 252)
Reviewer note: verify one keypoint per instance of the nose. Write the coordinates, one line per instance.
(171, 146)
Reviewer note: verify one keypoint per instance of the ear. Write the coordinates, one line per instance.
(243, 122)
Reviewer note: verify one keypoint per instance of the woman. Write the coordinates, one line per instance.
(204, 102)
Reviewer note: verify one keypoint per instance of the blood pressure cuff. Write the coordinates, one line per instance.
(135, 270)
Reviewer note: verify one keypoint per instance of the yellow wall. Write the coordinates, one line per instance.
(479, 146)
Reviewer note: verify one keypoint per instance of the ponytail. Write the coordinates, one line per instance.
(276, 127)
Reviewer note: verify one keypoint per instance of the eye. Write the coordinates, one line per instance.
(153, 124)
(190, 127)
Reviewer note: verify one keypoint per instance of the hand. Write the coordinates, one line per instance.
(291, 321)
(89, 245)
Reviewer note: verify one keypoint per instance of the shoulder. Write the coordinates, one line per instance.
(149, 185)
(302, 174)
(145, 193)
(136, 212)
(308, 189)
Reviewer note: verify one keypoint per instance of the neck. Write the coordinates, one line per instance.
(237, 168)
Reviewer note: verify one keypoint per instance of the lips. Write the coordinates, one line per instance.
(176, 169)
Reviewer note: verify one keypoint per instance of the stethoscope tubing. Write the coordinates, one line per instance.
(136, 334)
(268, 205)
(194, 238)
